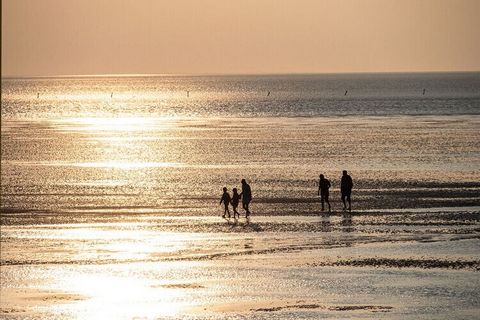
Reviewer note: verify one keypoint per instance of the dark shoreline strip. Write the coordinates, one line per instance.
(325, 307)
(403, 263)
(471, 265)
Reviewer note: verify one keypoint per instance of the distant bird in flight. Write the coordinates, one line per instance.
(345, 92)
(268, 94)
(423, 92)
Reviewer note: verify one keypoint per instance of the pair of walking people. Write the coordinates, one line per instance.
(346, 186)
(245, 196)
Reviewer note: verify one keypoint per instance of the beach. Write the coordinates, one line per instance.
(332, 266)
(111, 187)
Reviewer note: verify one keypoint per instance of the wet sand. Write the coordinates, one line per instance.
(403, 265)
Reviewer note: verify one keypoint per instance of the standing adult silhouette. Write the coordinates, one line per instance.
(323, 186)
(346, 189)
(246, 196)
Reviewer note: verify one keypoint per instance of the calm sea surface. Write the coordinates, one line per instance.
(169, 144)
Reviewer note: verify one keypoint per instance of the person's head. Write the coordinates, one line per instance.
(321, 177)
(224, 189)
(344, 172)
(234, 190)
(243, 181)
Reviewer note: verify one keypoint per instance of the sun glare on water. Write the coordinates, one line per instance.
(103, 124)
(113, 297)
(122, 142)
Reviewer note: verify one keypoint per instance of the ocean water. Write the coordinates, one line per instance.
(171, 143)
(110, 190)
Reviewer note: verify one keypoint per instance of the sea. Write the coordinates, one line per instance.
(111, 187)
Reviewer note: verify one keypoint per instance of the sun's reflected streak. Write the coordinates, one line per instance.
(122, 297)
(120, 291)
(124, 143)
(102, 124)
(127, 165)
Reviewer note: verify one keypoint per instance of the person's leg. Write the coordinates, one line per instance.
(248, 211)
(322, 201)
(328, 202)
(349, 203)
(343, 200)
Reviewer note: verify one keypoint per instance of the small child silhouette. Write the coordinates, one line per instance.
(226, 200)
(235, 201)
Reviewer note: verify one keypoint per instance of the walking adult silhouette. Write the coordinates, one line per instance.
(323, 186)
(246, 196)
(346, 186)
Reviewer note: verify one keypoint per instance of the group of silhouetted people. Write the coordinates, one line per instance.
(324, 185)
(245, 196)
(346, 186)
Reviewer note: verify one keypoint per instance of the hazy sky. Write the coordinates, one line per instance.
(66, 37)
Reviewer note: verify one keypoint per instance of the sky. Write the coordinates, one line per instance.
(83, 37)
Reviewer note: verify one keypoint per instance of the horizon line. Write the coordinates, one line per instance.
(140, 75)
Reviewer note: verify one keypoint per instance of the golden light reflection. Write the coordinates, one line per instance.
(125, 292)
(125, 296)
(102, 124)
(124, 143)
(114, 164)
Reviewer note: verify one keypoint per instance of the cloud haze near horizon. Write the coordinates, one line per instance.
(58, 37)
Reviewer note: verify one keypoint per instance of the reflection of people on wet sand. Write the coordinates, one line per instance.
(326, 225)
(346, 189)
(246, 196)
(226, 200)
(235, 201)
(323, 186)
(347, 222)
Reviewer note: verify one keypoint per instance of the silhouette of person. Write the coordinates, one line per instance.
(235, 201)
(323, 186)
(226, 200)
(346, 189)
(246, 196)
